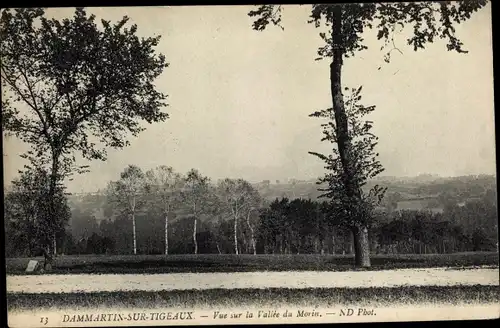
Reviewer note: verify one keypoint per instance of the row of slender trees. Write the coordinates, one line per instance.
(192, 196)
(186, 214)
(157, 192)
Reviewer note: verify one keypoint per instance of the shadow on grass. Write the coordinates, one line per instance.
(122, 264)
(151, 264)
(410, 295)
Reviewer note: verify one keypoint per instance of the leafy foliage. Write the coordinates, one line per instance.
(428, 20)
(67, 82)
(26, 217)
(363, 158)
(163, 184)
(267, 14)
(77, 80)
(129, 189)
(237, 197)
(196, 193)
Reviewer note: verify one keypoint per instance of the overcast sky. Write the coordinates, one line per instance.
(239, 99)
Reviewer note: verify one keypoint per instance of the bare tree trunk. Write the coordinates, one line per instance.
(351, 244)
(252, 235)
(48, 259)
(54, 244)
(134, 234)
(333, 243)
(194, 236)
(166, 234)
(361, 246)
(218, 249)
(244, 245)
(236, 234)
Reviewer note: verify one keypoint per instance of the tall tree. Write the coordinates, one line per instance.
(196, 194)
(165, 186)
(355, 213)
(71, 86)
(129, 189)
(239, 197)
(346, 24)
(25, 211)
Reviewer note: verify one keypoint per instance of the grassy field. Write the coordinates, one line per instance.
(120, 264)
(274, 297)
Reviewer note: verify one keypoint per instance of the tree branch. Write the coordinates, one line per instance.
(45, 130)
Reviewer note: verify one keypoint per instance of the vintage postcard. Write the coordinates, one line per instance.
(225, 165)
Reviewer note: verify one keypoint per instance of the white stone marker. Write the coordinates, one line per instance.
(32, 265)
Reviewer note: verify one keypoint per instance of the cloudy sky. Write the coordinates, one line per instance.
(239, 99)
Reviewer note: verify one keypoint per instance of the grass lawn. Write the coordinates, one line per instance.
(274, 297)
(120, 264)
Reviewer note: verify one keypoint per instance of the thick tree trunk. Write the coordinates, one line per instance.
(194, 236)
(51, 218)
(361, 242)
(361, 246)
(166, 233)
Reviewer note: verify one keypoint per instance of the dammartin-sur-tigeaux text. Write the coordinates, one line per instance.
(137, 316)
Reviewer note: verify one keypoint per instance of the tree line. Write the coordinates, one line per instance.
(163, 212)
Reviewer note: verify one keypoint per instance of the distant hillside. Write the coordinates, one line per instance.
(435, 194)
(422, 192)
(417, 193)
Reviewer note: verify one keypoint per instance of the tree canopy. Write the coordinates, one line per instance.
(428, 21)
(70, 86)
(76, 80)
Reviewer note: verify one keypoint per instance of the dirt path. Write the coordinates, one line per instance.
(301, 279)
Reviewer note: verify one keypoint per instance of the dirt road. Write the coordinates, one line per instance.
(301, 279)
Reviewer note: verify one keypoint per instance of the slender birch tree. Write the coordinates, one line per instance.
(196, 194)
(129, 190)
(164, 185)
(238, 197)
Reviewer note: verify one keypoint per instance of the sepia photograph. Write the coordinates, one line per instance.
(249, 164)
